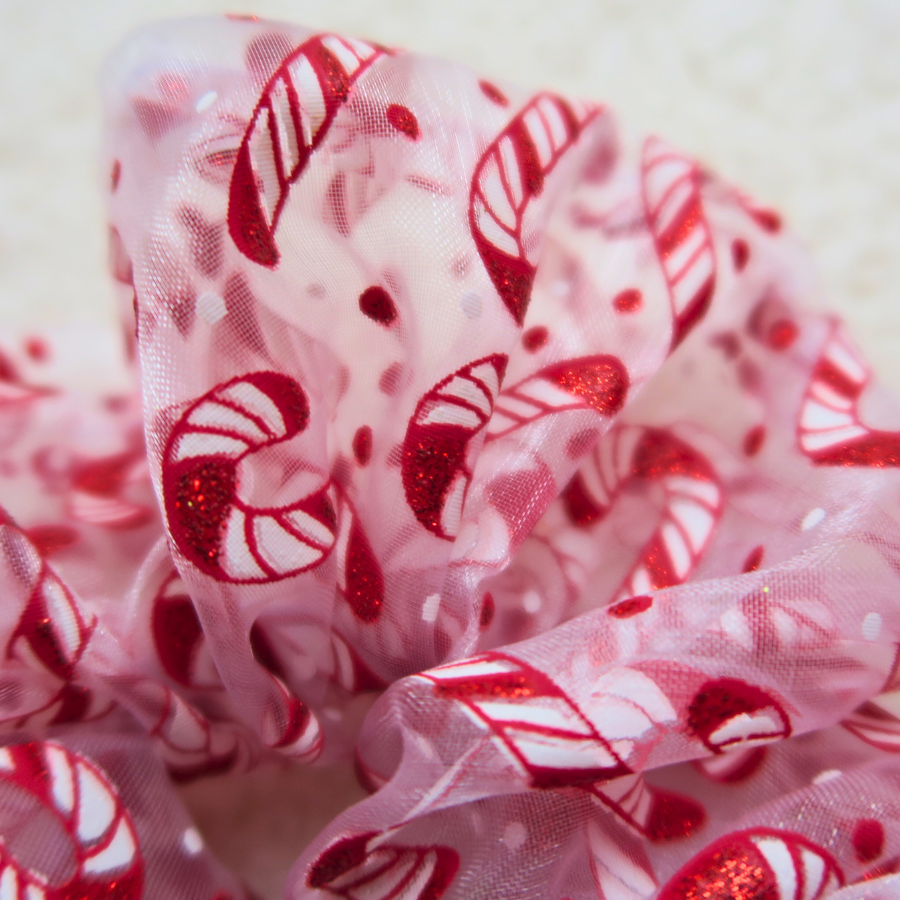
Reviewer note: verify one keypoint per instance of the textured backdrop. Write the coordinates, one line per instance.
(796, 100)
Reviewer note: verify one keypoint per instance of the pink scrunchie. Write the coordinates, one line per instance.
(453, 394)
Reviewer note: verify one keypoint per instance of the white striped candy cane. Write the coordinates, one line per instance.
(214, 528)
(590, 382)
(541, 730)
(435, 468)
(292, 117)
(692, 507)
(681, 234)
(107, 857)
(509, 175)
(829, 429)
(759, 862)
(370, 867)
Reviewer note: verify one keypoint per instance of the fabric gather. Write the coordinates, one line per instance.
(453, 402)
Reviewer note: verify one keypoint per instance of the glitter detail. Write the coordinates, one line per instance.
(364, 581)
(535, 338)
(362, 445)
(753, 560)
(493, 93)
(753, 440)
(513, 279)
(202, 502)
(600, 381)
(674, 816)
(434, 453)
(254, 204)
(376, 303)
(868, 840)
(735, 868)
(726, 700)
(740, 254)
(782, 333)
(402, 119)
(509, 685)
(628, 301)
(625, 609)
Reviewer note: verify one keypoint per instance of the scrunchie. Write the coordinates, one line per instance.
(467, 417)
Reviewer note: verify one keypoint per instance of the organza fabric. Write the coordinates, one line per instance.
(464, 415)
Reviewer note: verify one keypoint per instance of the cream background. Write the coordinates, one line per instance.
(796, 100)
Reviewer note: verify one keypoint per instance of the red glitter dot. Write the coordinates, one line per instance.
(628, 301)
(362, 445)
(115, 175)
(535, 338)
(631, 607)
(753, 560)
(674, 816)
(767, 219)
(493, 93)
(389, 381)
(868, 840)
(403, 120)
(753, 440)
(487, 611)
(782, 334)
(376, 303)
(740, 253)
(37, 349)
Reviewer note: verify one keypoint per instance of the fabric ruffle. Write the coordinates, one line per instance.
(462, 414)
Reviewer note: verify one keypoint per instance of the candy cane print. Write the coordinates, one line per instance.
(79, 795)
(692, 505)
(210, 451)
(292, 117)
(829, 428)
(178, 637)
(435, 467)
(541, 730)
(359, 576)
(98, 491)
(728, 714)
(682, 237)
(620, 872)
(52, 632)
(589, 382)
(508, 176)
(369, 866)
(652, 812)
(71, 703)
(876, 722)
(759, 862)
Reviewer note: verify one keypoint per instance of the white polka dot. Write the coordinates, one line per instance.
(471, 305)
(430, 607)
(812, 518)
(211, 307)
(871, 626)
(514, 835)
(561, 288)
(206, 101)
(531, 601)
(827, 775)
(192, 841)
